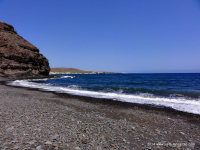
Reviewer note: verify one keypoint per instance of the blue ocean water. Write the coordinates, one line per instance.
(178, 91)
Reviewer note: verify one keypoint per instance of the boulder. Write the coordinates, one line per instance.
(18, 57)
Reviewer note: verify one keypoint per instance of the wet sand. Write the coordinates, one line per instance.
(35, 119)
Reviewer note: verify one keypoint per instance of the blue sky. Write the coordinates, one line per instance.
(111, 35)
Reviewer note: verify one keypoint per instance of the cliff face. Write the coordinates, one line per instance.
(18, 57)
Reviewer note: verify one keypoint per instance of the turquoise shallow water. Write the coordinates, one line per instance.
(179, 91)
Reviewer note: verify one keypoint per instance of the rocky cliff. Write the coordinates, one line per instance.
(18, 57)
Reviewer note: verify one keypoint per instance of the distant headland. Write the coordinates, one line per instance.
(76, 71)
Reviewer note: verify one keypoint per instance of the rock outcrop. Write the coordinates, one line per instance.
(18, 57)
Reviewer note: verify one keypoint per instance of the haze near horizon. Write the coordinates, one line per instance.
(113, 36)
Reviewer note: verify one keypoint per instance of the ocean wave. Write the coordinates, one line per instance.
(67, 76)
(176, 102)
(74, 87)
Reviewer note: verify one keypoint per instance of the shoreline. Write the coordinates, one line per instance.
(143, 125)
(109, 101)
(115, 103)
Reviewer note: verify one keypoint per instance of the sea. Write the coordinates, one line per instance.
(179, 91)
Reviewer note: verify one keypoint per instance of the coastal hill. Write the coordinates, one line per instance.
(68, 70)
(18, 57)
(74, 71)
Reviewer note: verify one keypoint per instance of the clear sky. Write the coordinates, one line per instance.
(111, 35)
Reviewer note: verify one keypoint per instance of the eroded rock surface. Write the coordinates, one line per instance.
(18, 57)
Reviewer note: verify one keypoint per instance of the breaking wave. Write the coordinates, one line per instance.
(181, 103)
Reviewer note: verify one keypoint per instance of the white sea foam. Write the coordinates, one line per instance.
(73, 87)
(178, 103)
(44, 79)
(68, 77)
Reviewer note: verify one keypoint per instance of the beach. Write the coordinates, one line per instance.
(33, 119)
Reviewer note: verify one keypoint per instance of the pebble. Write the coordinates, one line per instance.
(39, 147)
(189, 141)
(77, 148)
(84, 141)
(113, 145)
(13, 142)
(179, 146)
(32, 142)
(16, 147)
(157, 130)
(48, 143)
(132, 127)
(40, 142)
(55, 145)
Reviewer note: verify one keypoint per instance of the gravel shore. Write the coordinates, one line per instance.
(38, 120)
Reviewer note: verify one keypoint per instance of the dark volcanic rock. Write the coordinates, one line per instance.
(18, 57)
